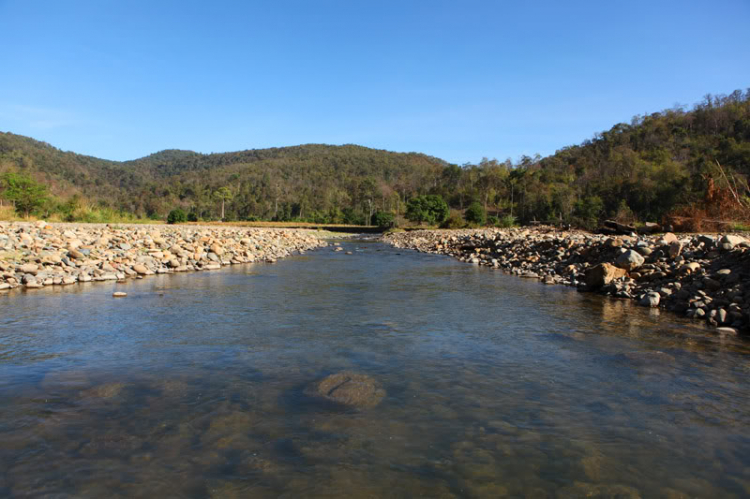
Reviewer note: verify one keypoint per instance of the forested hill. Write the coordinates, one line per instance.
(679, 161)
(304, 181)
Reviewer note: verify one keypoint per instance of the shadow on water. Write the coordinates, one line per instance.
(197, 385)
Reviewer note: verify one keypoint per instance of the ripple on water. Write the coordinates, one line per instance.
(492, 386)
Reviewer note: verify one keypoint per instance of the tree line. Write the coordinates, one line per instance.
(640, 171)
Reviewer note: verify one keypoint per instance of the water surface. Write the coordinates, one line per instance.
(195, 386)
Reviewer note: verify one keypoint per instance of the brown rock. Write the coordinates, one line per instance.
(675, 248)
(29, 268)
(668, 238)
(141, 269)
(603, 274)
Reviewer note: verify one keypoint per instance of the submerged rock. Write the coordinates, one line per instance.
(651, 299)
(655, 357)
(105, 391)
(602, 491)
(349, 388)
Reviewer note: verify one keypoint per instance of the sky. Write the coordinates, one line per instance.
(460, 80)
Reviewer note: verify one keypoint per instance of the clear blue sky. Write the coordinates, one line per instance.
(455, 79)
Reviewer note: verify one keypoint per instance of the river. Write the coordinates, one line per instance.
(195, 386)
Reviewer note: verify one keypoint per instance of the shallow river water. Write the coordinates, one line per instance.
(195, 386)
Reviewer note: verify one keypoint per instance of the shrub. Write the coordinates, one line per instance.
(507, 222)
(25, 193)
(624, 214)
(493, 221)
(475, 214)
(454, 221)
(177, 216)
(431, 209)
(588, 210)
(382, 219)
(353, 218)
(192, 216)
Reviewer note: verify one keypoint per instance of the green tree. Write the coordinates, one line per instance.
(588, 210)
(192, 215)
(430, 209)
(24, 192)
(177, 216)
(223, 194)
(382, 219)
(475, 214)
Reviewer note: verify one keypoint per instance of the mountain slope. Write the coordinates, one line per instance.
(680, 161)
(293, 180)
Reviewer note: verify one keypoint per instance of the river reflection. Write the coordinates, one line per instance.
(196, 385)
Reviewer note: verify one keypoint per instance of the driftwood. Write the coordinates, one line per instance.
(616, 228)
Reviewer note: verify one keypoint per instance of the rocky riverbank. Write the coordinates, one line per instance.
(704, 277)
(35, 255)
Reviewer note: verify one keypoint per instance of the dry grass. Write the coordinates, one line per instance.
(8, 214)
(718, 212)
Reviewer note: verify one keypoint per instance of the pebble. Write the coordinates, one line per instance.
(34, 255)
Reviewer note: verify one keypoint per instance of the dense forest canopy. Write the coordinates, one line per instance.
(643, 170)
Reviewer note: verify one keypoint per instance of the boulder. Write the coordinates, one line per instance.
(730, 241)
(675, 248)
(603, 274)
(727, 331)
(667, 239)
(711, 284)
(644, 250)
(350, 389)
(651, 299)
(629, 260)
(75, 254)
(29, 268)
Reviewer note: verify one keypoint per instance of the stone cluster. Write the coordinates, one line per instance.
(700, 276)
(34, 255)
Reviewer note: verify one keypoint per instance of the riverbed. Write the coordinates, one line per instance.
(196, 385)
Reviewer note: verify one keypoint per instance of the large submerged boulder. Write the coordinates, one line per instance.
(350, 389)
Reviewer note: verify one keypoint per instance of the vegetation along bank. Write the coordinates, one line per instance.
(704, 277)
